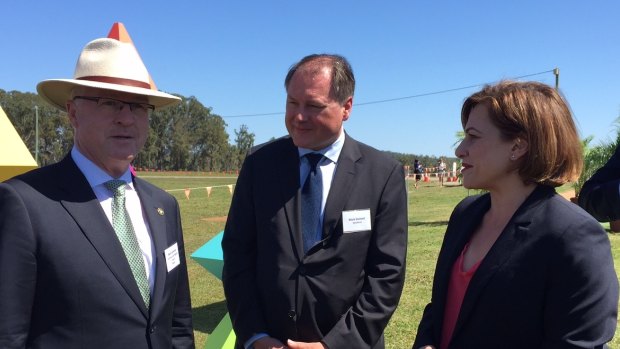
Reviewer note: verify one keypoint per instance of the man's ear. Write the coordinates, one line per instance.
(71, 110)
(346, 108)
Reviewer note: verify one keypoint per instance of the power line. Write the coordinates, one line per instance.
(401, 98)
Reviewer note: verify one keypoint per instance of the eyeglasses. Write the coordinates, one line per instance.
(114, 106)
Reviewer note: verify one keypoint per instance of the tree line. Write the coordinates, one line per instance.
(186, 137)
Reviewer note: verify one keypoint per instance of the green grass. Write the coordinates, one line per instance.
(203, 217)
(429, 210)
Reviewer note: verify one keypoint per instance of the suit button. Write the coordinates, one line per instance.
(291, 313)
(152, 330)
(302, 270)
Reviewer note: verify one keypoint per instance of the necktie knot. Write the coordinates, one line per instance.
(313, 159)
(116, 186)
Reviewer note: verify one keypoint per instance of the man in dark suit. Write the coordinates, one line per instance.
(600, 195)
(300, 273)
(90, 256)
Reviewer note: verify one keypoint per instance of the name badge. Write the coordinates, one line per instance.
(355, 220)
(172, 257)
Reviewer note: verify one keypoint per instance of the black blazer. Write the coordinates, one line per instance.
(64, 279)
(547, 282)
(344, 291)
(600, 195)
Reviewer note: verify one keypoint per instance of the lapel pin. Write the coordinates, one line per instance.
(160, 211)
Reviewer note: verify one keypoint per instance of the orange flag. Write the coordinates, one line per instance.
(209, 191)
(187, 192)
(230, 186)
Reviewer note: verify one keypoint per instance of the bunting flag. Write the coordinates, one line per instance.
(188, 191)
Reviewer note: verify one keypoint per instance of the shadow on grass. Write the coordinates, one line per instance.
(207, 317)
(428, 224)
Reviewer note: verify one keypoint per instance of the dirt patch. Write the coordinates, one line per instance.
(215, 219)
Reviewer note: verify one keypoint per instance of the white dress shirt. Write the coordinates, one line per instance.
(96, 177)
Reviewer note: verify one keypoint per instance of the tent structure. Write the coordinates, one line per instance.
(119, 33)
(14, 156)
(210, 256)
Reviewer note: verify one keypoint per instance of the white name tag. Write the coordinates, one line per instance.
(355, 220)
(172, 257)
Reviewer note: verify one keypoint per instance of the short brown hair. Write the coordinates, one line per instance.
(537, 113)
(343, 80)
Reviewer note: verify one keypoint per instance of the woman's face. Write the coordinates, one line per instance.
(485, 154)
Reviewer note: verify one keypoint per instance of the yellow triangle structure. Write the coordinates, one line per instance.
(14, 158)
(119, 33)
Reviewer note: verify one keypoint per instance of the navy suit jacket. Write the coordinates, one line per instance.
(600, 195)
(64, 279)
(345, 289)
(547, 282)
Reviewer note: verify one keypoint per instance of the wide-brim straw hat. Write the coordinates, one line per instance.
(107, 64)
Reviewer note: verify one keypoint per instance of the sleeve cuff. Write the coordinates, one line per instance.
(250, 342)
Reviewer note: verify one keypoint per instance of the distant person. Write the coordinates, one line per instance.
(417, 170)
(316, 237)
(520, 266)
(600, 195)
(441, 171)
(91, 256)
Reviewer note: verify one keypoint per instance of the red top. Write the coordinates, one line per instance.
(459, 280)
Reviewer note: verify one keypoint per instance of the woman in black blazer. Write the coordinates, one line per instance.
(520, 266)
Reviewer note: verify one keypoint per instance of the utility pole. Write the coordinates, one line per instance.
(556, 72)
(36, 134)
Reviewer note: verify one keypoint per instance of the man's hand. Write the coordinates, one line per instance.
(268, 343)
(302, 345)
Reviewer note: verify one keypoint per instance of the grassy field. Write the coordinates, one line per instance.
(429, 209)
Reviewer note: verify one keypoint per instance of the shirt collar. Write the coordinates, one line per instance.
(93, 173)
(332, 151)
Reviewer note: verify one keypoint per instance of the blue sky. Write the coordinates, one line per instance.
(233, 56)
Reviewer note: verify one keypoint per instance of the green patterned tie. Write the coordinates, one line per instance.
(127, 237)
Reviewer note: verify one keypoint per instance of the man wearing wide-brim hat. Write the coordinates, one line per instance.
(91, 256)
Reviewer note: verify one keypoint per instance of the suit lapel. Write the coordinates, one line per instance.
(514, 234)
(82, 204)
(493, 262)
(155, 216)
(341, 187)
(462, 229)
(287, 184)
